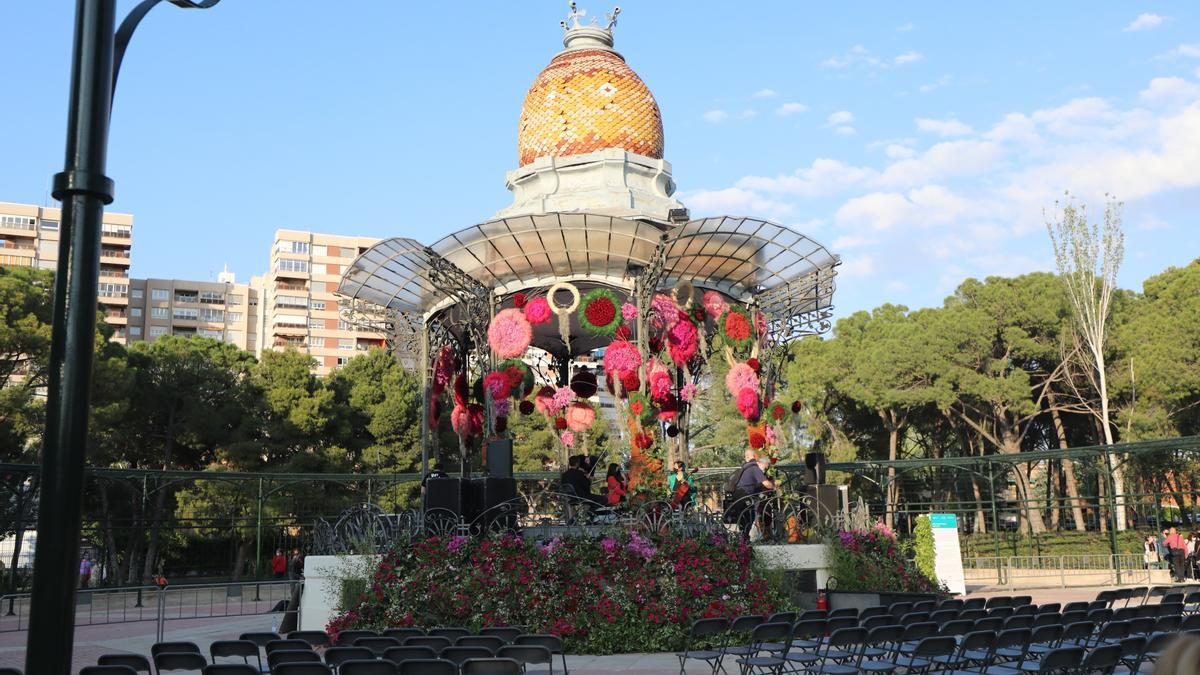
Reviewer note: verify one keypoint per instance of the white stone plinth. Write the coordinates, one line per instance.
(323, 576)
(797, 557)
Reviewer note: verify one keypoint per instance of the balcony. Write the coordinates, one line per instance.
(12, 245)
(283, 344)
(114, 272)
(289, 329)
(117, 234)
(18, 225)
(193, 298)
(117, 255)
(284, 286)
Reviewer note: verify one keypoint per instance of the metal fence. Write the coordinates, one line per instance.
(1061, 571)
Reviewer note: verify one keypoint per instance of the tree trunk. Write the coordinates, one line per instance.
(1114, 459)
(1068, 467)
(893, 492)
(980, 520)
(106, 530)
(1051, 499)
(1027, 510)
(1101, 509)
(239, 560)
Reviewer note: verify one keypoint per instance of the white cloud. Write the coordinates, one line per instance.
(790, 109)
(857, 267)
(825, 177)
(764, 93)
(861, 57)
(747, 114)
(715, 116)
(1145, 22)
(1170, 90)
(845, 130)
(936, 84)
(897, 151)
(949, 159)
(905, 28)
(1191, 51)
(1016, 128)
(907, 57)
(944, 128)
(840, 117)
(1151, 224)
(852, 241)
(734, 201)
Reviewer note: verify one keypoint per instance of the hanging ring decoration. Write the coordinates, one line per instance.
(564, 312)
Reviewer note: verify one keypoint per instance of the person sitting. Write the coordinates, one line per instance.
(753, 481)
(617, 487)
(681, 486)
(578, 482)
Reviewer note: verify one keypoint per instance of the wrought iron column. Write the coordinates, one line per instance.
(423, 367)
(84, 190)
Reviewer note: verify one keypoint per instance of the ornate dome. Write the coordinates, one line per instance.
(588, 99)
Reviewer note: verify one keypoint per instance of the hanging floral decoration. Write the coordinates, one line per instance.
(641, 407)
(435, 412)
(520, 375)
(498, 385)
(756, 437)
(526, 407)
(537, 311)
(660, 384)
(771, 439)
(509, 333)
(584, 384)
(580, 416)
(444, 369)
(643, 441)
(668, 409)
(699, 315)
(564, 311)
(501, 408)
(754, 364)
(562, 398)
(740, 376)
(598, 313)
(560, 423)
(467, 420)
(623, 333)
(544, 401)
(795, 407)
(622, 357)
(682, 340)
(778, 412)
(666, 312)
(629, 311)
(688, 392)
(519, 301)
(461, 390)
(736, 328)
(747, 404)
(715, 304)
(568, 439)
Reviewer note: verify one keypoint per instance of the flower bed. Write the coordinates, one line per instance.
(620, 594)
(872, 560)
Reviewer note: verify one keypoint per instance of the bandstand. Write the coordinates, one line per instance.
(595, 284)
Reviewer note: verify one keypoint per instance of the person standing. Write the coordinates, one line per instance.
(279, 564)
(1178, 547)
(1150, 552)
(753, 482)
(681, 486)
(297, 565)
(85, 572)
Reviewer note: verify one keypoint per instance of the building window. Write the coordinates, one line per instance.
(159, 313)
(215, 315)
(341, 361)
(186, 314)
(286, 265)
(234, 336)
(159, 294)
(291, 301)
(212, 334)
(136, 294)
(16, 261)
(212, 298)
(135, 331)
(135, 312)
(233, 300)
(318, 305)
(316, 324)
(317, 341)
(121, 231)
(107, 290)
(342, 325)
(320, 249)
(158, 331)
(346, 343)
(187, 296)
(51, 225)
(233, 317)
(17, 222)
(293, 247)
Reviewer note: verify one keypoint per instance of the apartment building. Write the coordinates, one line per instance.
(29, 238)
(222, 310)
(299, 306)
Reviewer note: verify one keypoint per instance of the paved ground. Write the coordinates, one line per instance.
(92, 641)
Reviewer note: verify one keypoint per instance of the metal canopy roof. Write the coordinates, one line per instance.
(743, 258)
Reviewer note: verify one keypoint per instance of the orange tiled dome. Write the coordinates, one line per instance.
(586, 100)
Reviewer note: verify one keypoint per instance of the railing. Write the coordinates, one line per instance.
(95, 607)
(10, 225)
(1062, 571)
(120, 234)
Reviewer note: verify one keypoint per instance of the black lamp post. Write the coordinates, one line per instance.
(84, 190)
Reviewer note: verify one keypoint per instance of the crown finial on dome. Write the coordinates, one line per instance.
(590, 35)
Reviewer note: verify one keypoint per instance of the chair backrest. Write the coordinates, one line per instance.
(935, 646)
(1019, 600)
(1025, 621)
(741, 624)
(1138, 593)
(1190, 622)
(1074, 616)
(1063, 658)
(1097, 604)
(813, 614)
(950, 603)
(1132, 647)
(876, 621)
(435, 642)
(844, 612)
(924, 606)
(492, 642)
(346, 638)
(530, 654)
(919, 631)
(885, 634)
(1102, 659)
(1050, 608)
(1144, 625)
(177, 647)
(1124, 614)
(1106, 597)
(1001, 612)
(491, 666)
(1147, 610)
(1172, 598)
(409, 653)
(551, 642)
(451, 632)
(975, 603)
(378, 644)
(459, 654)
(1047, 619)
(243, 649)
(86, 670)
(1170, 608)
(1078, 630)
(771, 632)
(899, 608)
(427, 667)
(401, 633)
(957, 627)
(941, 616)
(295, 668)
(973, 614)
(289, 645)
(839, 622)
(705, 627)
(979, 640)
(179, 661)
(1012, 638)
(509, 633)
(914, 617)
(1024, 610)
(991, 623)
(999, 601)
(316, 638)
(809, 628)
(292, 656)
(1047, 635)
(1099, 615)
(787, 617)
(1167, 624)
(336, 656)
(866, 613)
(138, 662)
(231, 669)
(1192, 598)
(1114, 630)
(1076, 606)
(367, 667)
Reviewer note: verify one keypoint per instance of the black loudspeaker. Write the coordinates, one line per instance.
(814, 473)
(825, 501)
(500, 458)
(444, 494)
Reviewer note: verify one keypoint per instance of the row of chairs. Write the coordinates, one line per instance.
(476, 666)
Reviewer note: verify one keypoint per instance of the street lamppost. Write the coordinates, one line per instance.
(84, 190)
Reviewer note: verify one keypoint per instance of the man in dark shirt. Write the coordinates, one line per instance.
(753, 481)
(575, 478)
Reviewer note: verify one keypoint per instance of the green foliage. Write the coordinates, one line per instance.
(923, 553)
(873, 560)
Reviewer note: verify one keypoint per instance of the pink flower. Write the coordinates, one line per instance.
(563, 397)
(537, 310)
(714, 304)
(629, 311)
(580, 416)
(568, 438)
(688, 392)
(622, 357)
(741, 376)
(498, 385)
(682, 341)
(509, 333)
(747, 403)
(502, 407)
(769, 432)
(666, 312)
(660, 385)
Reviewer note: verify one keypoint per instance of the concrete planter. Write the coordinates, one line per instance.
(864, 599)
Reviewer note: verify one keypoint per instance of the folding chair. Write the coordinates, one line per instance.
(164, 661)
(1132, 649)
(315, 638)
(1045, 639)
(307, 668)
(86, 670)
(139, 663)
(843, 652)
(427, 667)
(288, 645)
(1102, 659)
(367, 667)
(763, 635)
(282, 656)
(700, 629)
(491, 666)
(378, 644)
(435, 642)
(975, 603)
(177, 647)
(452, 632)
(409, 653)
(507, 633)
(401, 633)
(923, 654)
(491, 642)
(336, 656)
(231, 669)
(528, 655)
(551, 642)
(346, 638)
(243, 649)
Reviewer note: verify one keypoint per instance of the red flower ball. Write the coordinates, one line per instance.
(756, 437)
(698, 314)
(753, 363)
(519, 301)
(623, 333)
(526, 407)
(795, 406)
(736, 326)
(601, 311)
(560, 423)
(778, 412)
(656, 344)
(630, 381)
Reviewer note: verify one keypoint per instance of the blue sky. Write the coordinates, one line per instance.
(921, 141)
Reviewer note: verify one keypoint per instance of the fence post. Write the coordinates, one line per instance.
(258, 540)
(1062, 573)
(160, 628)
(995, 523)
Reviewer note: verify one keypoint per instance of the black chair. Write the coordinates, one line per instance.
(491, 666)
(231, 669)
(924, 606)
(1102, 659)
(843, 652)
(975, 648)
(507, 633)
(460, 654)
(1077, 606)
(1011, 645)
(378, 644)
(367, 667)
(528, 655)
(86, 670)
(869, 612)
(993, 624)
(281, 656)
(1047, 619)
(178, 647)
(879, 651)
(452, 632)
(784, 617)
(1050, 608)
(1124, 614)
(1001, 612)
(138, 662)
(492, 642)
(316, 638)
(914, 633)
(899, 608)
(975, 603)
(260, 639)
(435, 642)
(942, 616)
(927, 650)
(551, 642)
(427, 667)
(243, 649)
(1137, 595)
(1043, 639)
(1144, 625)
(1107, 597)
(1063, 659)
(877, 621)
(288, 645)
(950, 603)
(956, 627)
(1019, 600)
(409, 653)
(1156, 645)
(164, 661)
(999, 601)
(764, 634)
(336, 656)
(401, 633)
(851, 612)
(346, 638)
(301, 669)
(700, 630)
(1022, 621)
(1024, 610)
(1132, 649)
(973, 614)
(1077, 634)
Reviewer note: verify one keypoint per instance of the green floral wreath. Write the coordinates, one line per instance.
(778, 412)
(595, 316)
(636, 399)
(739, 343)
(526, 379)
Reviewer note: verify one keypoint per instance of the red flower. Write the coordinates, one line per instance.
(623, 333)
(637, 408)
(753, 363)
(600, 311)
(630, 381)
(778, 412)
(560, 423)
(795, 406)
(736, 326)
(519, 301)
(756, 437)
(698, 314)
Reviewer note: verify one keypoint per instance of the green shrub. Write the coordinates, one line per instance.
(923, 554)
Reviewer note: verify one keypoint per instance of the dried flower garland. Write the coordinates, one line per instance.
(564, 311)
(509, 334)
(598, 312)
